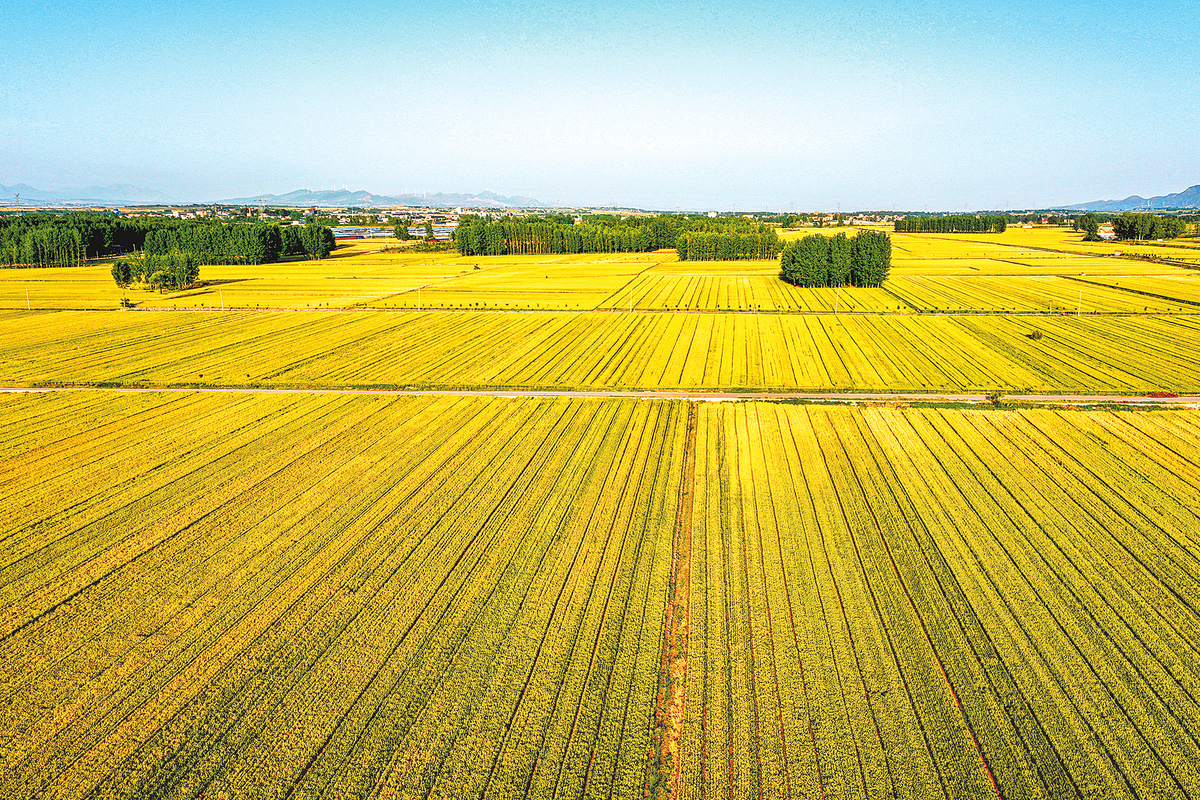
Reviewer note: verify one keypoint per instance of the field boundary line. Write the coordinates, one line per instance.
(673, 672)
(620, 292)
(1191, 401)
(777, 312)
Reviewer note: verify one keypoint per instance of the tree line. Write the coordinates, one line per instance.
(46, 239)
(599, 233)
(481, 238)
(763, 244)
(46, 246)
(314, 241)
(952, 223)
(54, 240)
(240, 243)
(1131, 225)
(817, 260)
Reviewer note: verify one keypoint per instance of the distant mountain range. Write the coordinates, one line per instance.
(342, 199)
(1188, 198)
(125, 194)
(122, 194)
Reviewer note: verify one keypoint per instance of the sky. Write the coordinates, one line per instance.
(726, 106)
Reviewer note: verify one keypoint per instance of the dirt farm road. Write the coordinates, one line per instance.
(1186, 401)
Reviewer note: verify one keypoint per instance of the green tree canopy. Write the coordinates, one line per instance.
(817, 260)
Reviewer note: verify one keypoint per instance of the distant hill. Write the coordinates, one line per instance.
(124, 194)
(341, 199)
(121, 194)
(1188, 198)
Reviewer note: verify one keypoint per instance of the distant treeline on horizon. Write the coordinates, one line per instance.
(952, 223)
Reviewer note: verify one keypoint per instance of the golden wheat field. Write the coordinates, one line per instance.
(232, 595)
(605, 351)
(352, 528)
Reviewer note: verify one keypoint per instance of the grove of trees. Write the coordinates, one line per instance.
(1089, 223)
(54, 240)
(314, 241)
(953, 223)
(599, 233)
(214, 243)
(240, 243)
(173, 270)
(1132, 225)
(478, 237)
(762, 244)
(45, 246)
(817, 260)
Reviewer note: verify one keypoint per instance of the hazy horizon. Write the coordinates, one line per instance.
(658, 105)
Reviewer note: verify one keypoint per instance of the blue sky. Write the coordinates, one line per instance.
(655, 104)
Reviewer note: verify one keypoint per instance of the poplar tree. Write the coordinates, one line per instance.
(870, 258)
(122, 273)
(840, 260)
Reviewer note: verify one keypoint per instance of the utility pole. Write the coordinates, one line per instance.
(837, 299)
(1079, 308)
(27, 306)
(222, 293)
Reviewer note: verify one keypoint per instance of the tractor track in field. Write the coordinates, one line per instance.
(673, 670)
(910, 311)
(835, 398)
